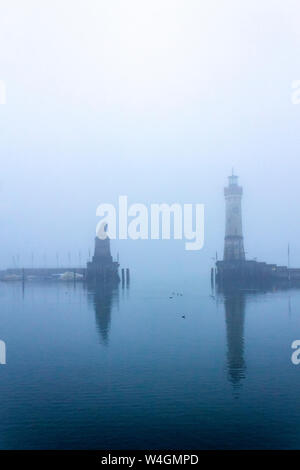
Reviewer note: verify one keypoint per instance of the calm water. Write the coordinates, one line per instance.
(123, 369)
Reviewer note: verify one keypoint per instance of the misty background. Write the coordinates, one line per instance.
(156, 100)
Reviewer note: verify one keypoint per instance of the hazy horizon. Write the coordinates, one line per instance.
(156, 101)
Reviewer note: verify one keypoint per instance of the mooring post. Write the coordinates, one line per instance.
(123, 276)
(127, 277)
(212, 276)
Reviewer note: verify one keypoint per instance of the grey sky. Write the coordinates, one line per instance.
(155, 100)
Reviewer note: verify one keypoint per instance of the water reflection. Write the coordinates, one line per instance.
(103, 298)
(235, 318)
(235, 298)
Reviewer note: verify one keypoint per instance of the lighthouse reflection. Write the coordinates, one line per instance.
(234, 300)
(235, 318)
(103, 298)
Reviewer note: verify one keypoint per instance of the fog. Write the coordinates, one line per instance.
(154, 100)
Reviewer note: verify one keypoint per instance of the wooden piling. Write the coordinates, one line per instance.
(212, 276)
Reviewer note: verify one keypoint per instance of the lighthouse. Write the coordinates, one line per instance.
(234, 270)
(234, 242)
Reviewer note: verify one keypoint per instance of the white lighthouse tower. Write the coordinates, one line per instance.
(234, 242)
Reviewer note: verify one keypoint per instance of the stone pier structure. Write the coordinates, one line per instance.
(102, 268)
